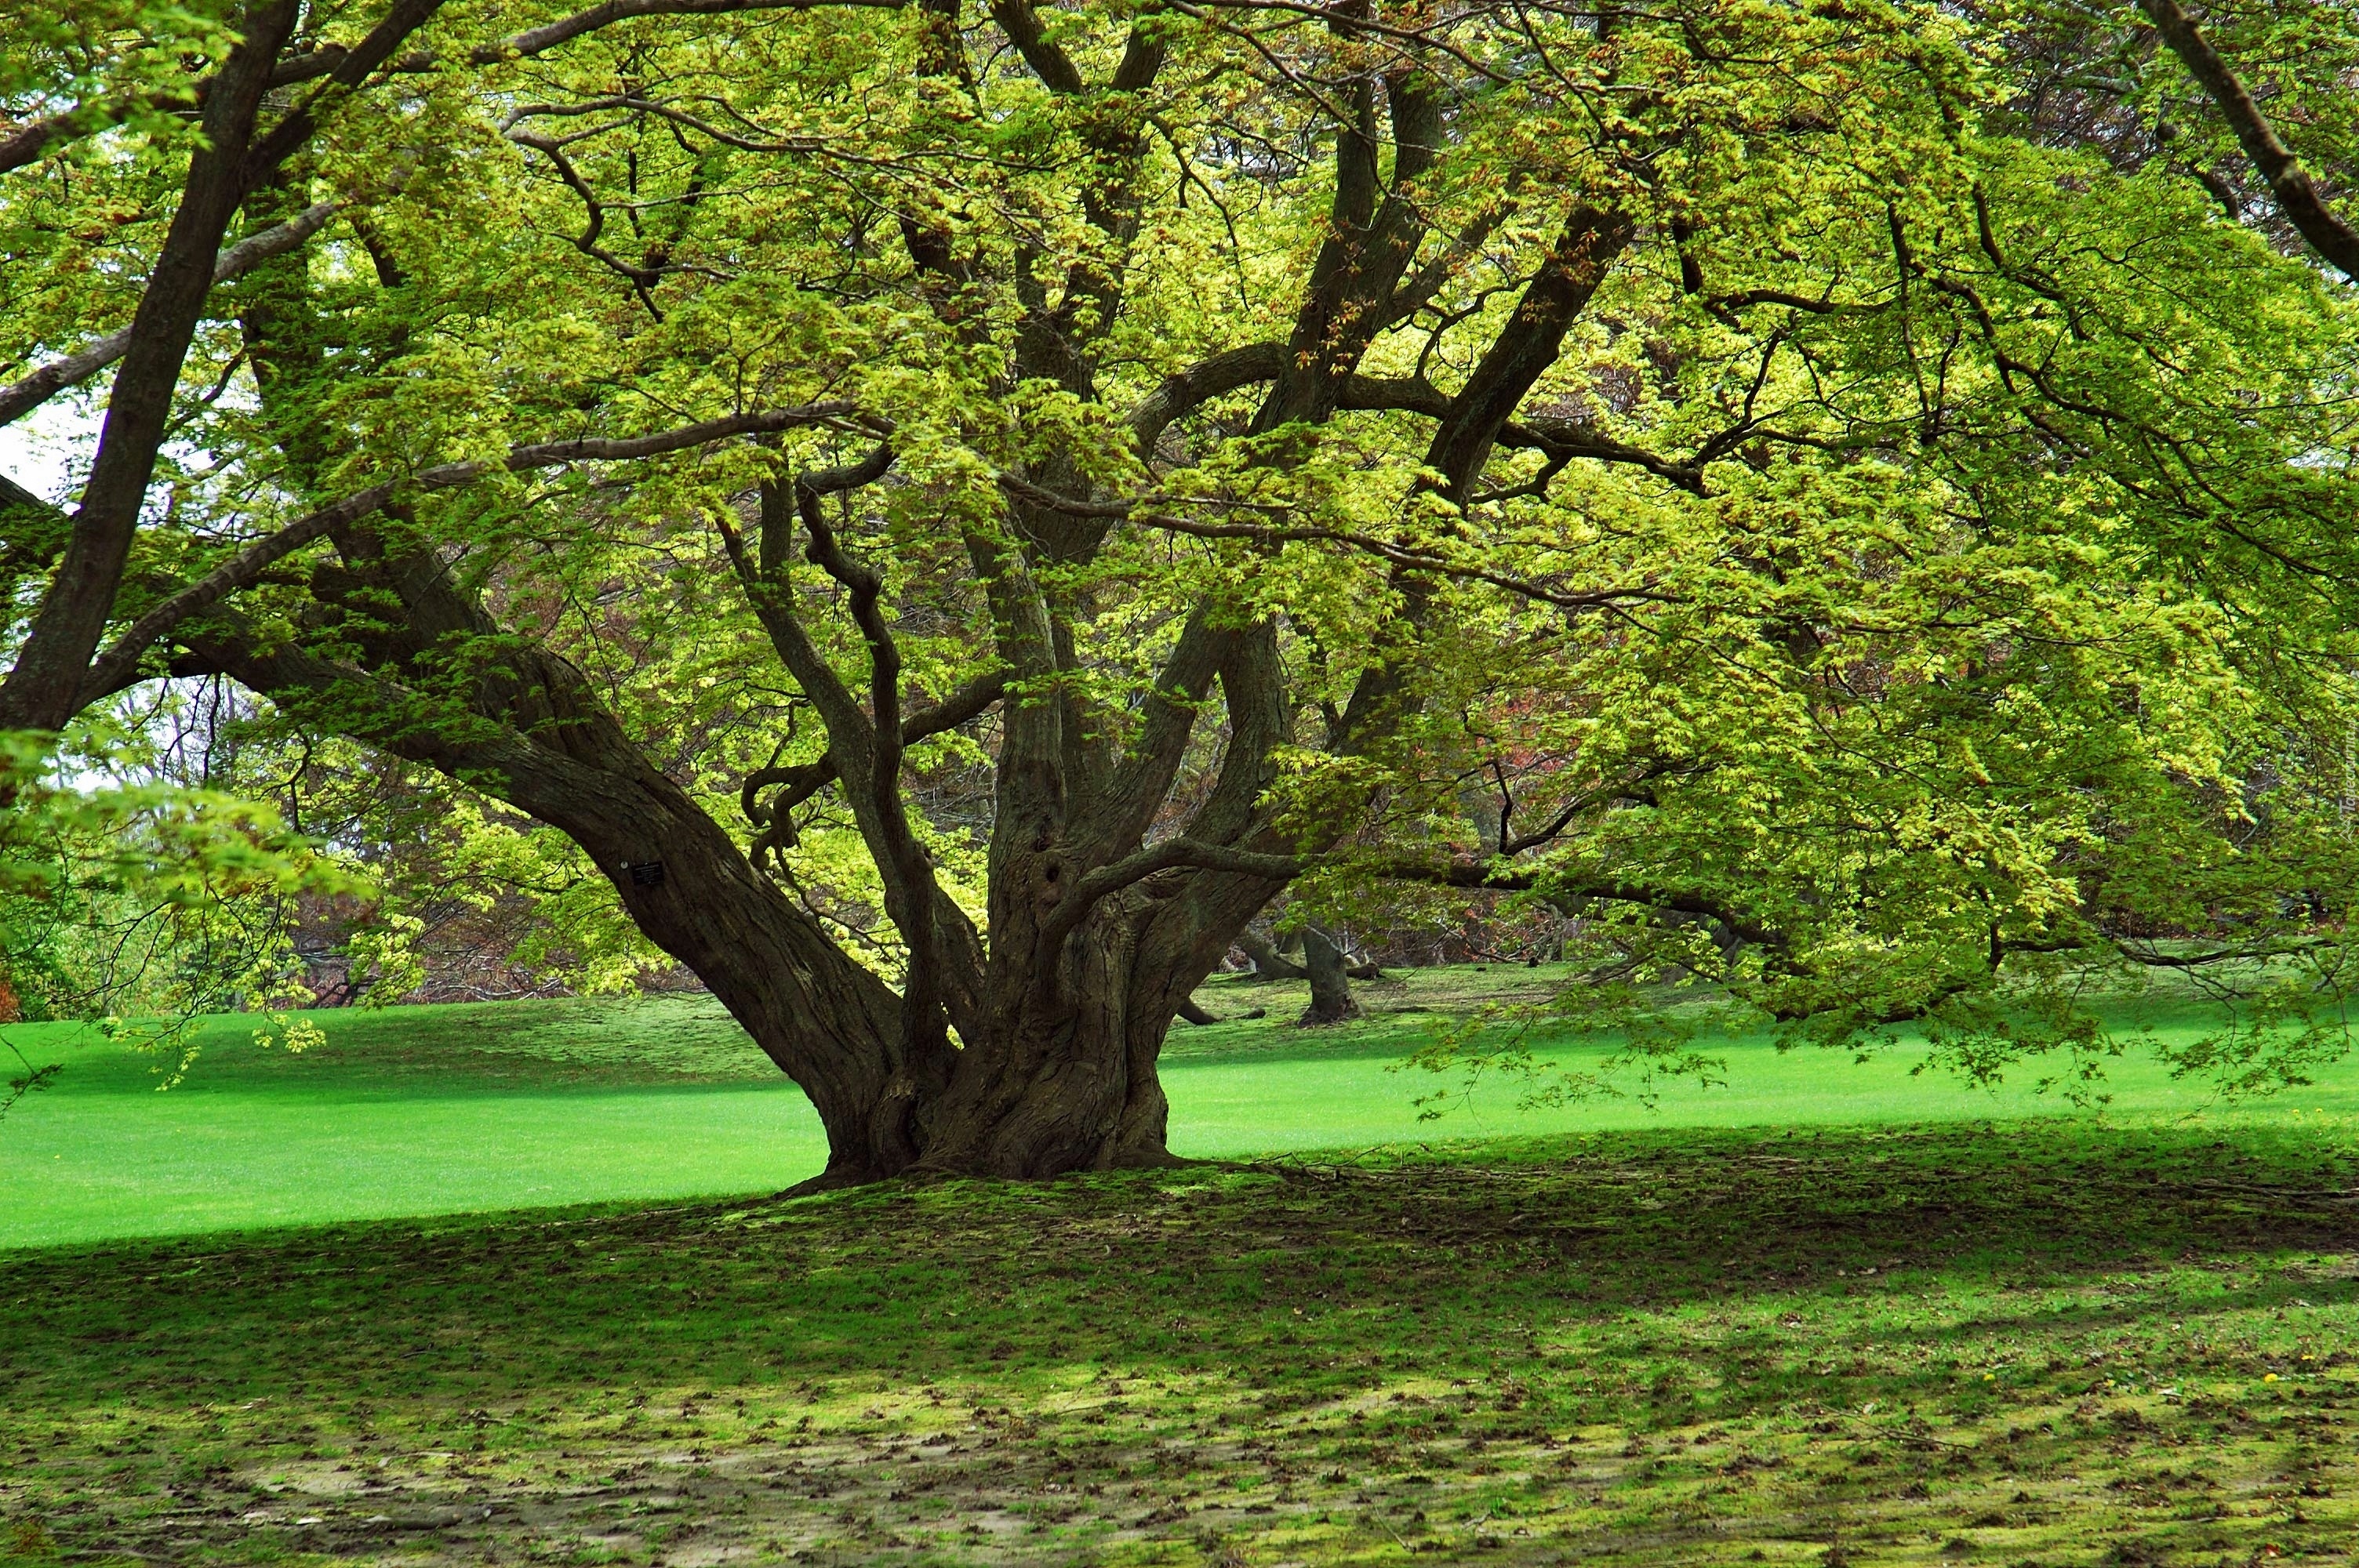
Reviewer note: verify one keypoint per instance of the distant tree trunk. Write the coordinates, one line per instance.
(1189, 1012)
(1268, 963)
(1330, 988)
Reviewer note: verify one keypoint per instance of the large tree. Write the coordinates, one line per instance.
(1051, 479)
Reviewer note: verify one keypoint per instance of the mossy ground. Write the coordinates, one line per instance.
(2049, 1341)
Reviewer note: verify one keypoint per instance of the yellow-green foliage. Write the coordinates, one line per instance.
(1950, 593)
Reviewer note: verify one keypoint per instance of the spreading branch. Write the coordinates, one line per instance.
(2298, 195)
(1172, 854)
(29, 393)
(539, 40)
(1493, 876)
(1184, 391)
(119, 665)
(1401, 555)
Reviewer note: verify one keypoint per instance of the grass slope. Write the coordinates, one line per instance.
(423, 1110)
(2044, 1342)
(410, 1110)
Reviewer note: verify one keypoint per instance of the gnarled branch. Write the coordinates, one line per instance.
(1172, 854)
(804, 780)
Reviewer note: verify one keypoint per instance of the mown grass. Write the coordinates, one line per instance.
(2047, 1342)
(423, 1110)
(1829, 1315)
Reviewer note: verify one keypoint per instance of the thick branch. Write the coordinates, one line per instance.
(26, 143)
(1369, 245)
(818, 1015)
(1185, 391)
(865, 750)
(1494, 877)
(596, 448)
(1527, 345)
(1565, 438)
(1050, 63)
(45, 686)
(1136, 789)
(353, 67)
(116, 667)
(1143, 55)
(1524, 350)
(2298, 195)
(540, 39)
(1172, 854)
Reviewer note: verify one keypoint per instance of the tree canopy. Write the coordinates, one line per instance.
(950, 511)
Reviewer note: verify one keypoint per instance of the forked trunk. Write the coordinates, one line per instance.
(1064, 1080)
(1080, 1094)
(1057, 1068)
(1064, 1074)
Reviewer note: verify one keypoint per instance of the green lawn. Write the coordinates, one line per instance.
(1831, 1315)
(504, 1105)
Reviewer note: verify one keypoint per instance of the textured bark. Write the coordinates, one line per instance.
(1066, 1078)
(1331, 987)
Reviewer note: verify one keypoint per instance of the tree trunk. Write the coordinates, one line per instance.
(830, 1024)
(1056, 1068)
(1064, 1076)
(1330, 988)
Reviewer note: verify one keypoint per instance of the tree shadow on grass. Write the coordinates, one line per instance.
(1692, 1330)
(1277, 1272)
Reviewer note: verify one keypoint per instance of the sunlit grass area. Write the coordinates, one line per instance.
(520, 1105)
